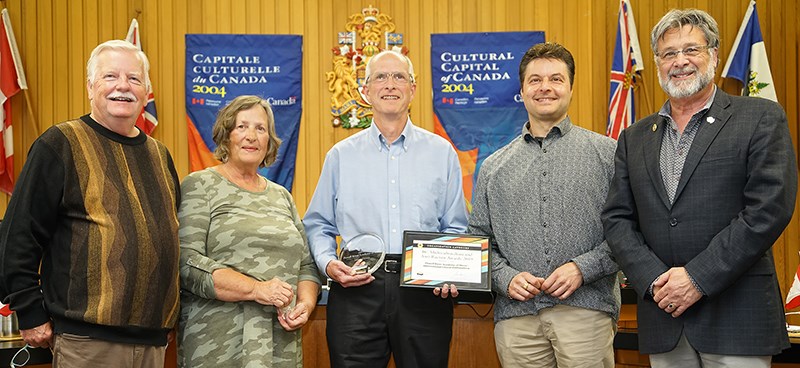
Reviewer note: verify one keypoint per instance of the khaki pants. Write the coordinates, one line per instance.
(72, 351)
(561, 336)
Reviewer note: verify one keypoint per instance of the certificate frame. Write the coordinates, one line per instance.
(472, 262)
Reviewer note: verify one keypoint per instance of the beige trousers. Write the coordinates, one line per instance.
(72, 351)
(561, 336)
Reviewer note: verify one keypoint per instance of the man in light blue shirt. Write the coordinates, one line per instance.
(384, 180)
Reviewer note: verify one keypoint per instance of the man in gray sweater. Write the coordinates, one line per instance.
(539, 199)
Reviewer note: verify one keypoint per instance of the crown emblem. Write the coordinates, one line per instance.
(370, 14)
(366, 34)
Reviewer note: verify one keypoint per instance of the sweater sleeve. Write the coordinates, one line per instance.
(26, 233)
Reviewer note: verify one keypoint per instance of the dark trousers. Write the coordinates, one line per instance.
(366, 324)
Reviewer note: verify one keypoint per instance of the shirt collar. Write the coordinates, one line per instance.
(561, 129)
(406, 137)
(666, 110)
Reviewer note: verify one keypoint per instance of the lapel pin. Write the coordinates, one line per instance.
(710, 119)
(655, 127)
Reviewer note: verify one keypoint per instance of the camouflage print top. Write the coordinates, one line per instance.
(256, 233)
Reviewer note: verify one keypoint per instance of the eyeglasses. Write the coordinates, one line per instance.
(24, 356)
(397, 77)
(691, 51)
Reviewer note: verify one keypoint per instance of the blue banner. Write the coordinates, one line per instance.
(476, 93)
(220, 68)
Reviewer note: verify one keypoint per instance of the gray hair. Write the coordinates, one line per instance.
(399, 56)
(117, 45)
(676, 18)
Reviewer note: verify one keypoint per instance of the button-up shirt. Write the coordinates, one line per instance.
(675, 146)
(540, 203)
(369, 185)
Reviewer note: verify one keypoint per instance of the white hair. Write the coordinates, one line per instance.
(118, 45)
(395, 54)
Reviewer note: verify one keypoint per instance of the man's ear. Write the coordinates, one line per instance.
(365, 93)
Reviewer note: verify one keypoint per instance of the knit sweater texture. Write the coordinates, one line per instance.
(98, 210)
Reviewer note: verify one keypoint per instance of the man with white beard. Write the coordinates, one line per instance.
(701, 190)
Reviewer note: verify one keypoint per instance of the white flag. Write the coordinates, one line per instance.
(747, 61)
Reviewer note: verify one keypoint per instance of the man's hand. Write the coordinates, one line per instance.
(563, 281)
(524, 286)
(40, 336)
(674, 291)
(345, 275)
(445, 291)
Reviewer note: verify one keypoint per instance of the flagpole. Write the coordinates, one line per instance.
(646, 96)
(30, 112)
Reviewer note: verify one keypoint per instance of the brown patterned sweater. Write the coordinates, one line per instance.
(98, 210)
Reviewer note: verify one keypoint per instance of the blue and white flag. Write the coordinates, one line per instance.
(748, 59)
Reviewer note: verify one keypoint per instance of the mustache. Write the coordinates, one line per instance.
(687, 69)
(125, 95)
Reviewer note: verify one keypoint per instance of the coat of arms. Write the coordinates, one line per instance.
(366, 34)
(754, 86)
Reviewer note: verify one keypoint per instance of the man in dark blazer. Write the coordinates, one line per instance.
(701, 191)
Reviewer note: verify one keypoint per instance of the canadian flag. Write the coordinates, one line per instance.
(12, 80)
(793, 296)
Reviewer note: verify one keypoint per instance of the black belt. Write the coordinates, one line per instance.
(392, 263)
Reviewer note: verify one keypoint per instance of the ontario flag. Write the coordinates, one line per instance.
(12, 80)
(793, 296)
(625, 68)
(748, 59)
(148, 121)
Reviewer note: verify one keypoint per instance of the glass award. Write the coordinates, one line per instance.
(364, 253)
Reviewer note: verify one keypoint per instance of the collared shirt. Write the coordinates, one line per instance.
(674, 150)
(675, 146)
(541, 206)
(370, 186)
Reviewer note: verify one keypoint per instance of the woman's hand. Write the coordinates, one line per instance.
(273, 292)
(294, 318)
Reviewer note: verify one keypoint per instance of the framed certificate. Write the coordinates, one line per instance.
(432, 259)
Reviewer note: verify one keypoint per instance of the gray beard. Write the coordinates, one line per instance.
(687, 88)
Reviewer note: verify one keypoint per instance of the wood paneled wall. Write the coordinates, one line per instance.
(56, 37)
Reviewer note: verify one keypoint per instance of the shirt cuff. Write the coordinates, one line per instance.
(322, 264)
(652, 285)
(695, 284)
